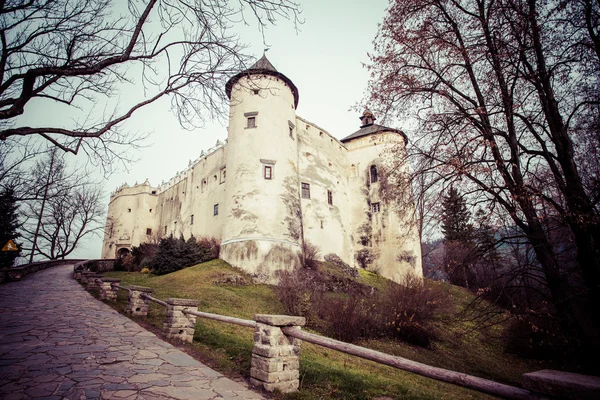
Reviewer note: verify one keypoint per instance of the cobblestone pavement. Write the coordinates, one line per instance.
(58, 342)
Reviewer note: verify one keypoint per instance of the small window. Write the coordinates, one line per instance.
(165, 229)
(255, 91)
(330, 197)
(305, 190)
(214, 178)
(148, 231)
(375, 207)
(216, 209)
(129, 210)
(110, 246)
(291, 132)
(251, 122)
(154, 192)
(307, 126)
(150, 210)
(373, 174)
(321, 134)
(223, 175)
(192, 219)
(268, 173)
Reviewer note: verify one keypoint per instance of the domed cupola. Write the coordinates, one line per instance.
(262, 67)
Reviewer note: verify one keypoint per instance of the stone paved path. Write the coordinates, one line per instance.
(58, 342)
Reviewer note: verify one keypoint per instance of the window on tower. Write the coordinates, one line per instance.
(268, 172)
(305, 190)
(373, 174)
(375, 207)
(216, 209)
(330, 197)
(148, 231)
(251, 119)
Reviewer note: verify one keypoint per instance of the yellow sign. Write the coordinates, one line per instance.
(10, 246)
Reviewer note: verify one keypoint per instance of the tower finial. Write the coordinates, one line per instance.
(367, 118)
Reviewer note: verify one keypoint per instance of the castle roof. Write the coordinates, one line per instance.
(262, 67)
(368, 127)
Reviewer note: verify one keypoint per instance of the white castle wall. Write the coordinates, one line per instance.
(324, 165)
(262, 223)
(262, 229)
(392, 235)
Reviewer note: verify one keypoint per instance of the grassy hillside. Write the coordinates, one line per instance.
(325, 373)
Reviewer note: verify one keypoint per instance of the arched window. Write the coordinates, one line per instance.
(373, 173)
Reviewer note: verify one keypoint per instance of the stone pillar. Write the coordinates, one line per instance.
(138, 305)
(93, 281)
(276, 357)
(177, 324)
(85, 275)
(109, 288)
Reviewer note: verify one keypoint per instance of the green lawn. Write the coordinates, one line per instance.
(326, 374)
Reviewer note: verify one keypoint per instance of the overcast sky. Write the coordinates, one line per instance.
(325, 62)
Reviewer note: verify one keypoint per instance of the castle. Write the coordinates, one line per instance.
(276, 183)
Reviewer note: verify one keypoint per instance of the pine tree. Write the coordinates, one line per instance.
(8, 227)
(459, 245)
(455, 217)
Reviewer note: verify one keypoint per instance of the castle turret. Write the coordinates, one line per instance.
(130, 219)
(262, 228)
(383, 212)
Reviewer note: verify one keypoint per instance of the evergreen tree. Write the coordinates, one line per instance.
(455, 217)
(459, 245)
(8, 227)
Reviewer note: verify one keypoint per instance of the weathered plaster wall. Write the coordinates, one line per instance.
(324, 165)
(390, 234)
(197, 191)
(131, 211)
(261, 233)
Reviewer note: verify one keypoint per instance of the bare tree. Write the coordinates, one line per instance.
(61, 208)
(87, 54)
(506, 94)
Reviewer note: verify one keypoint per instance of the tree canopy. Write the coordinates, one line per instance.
(111, 58)
(506, 96)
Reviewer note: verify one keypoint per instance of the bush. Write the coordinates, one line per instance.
(175, 254)
(211, 243)
(145, 270)
(364, 257)
(408, 309)
(310, 254)
(295, 291)
(350, 318)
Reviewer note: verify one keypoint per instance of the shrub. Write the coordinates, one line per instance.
(364, 257)
(350, 318)
(210, 243)
(538, 338)
(310, 254)
(145, 270)
(409, 308)
(175, 254)
(295, 291)
(143, 251)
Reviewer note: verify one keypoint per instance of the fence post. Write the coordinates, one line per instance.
(275, 356)
(86, 275)
(179, 325)
(138, 304)
(93, 281)
(108, 289)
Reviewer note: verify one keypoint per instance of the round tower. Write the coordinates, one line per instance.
(262, 230)
(382, 205)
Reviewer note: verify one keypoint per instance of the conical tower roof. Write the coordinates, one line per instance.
(263, 67)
